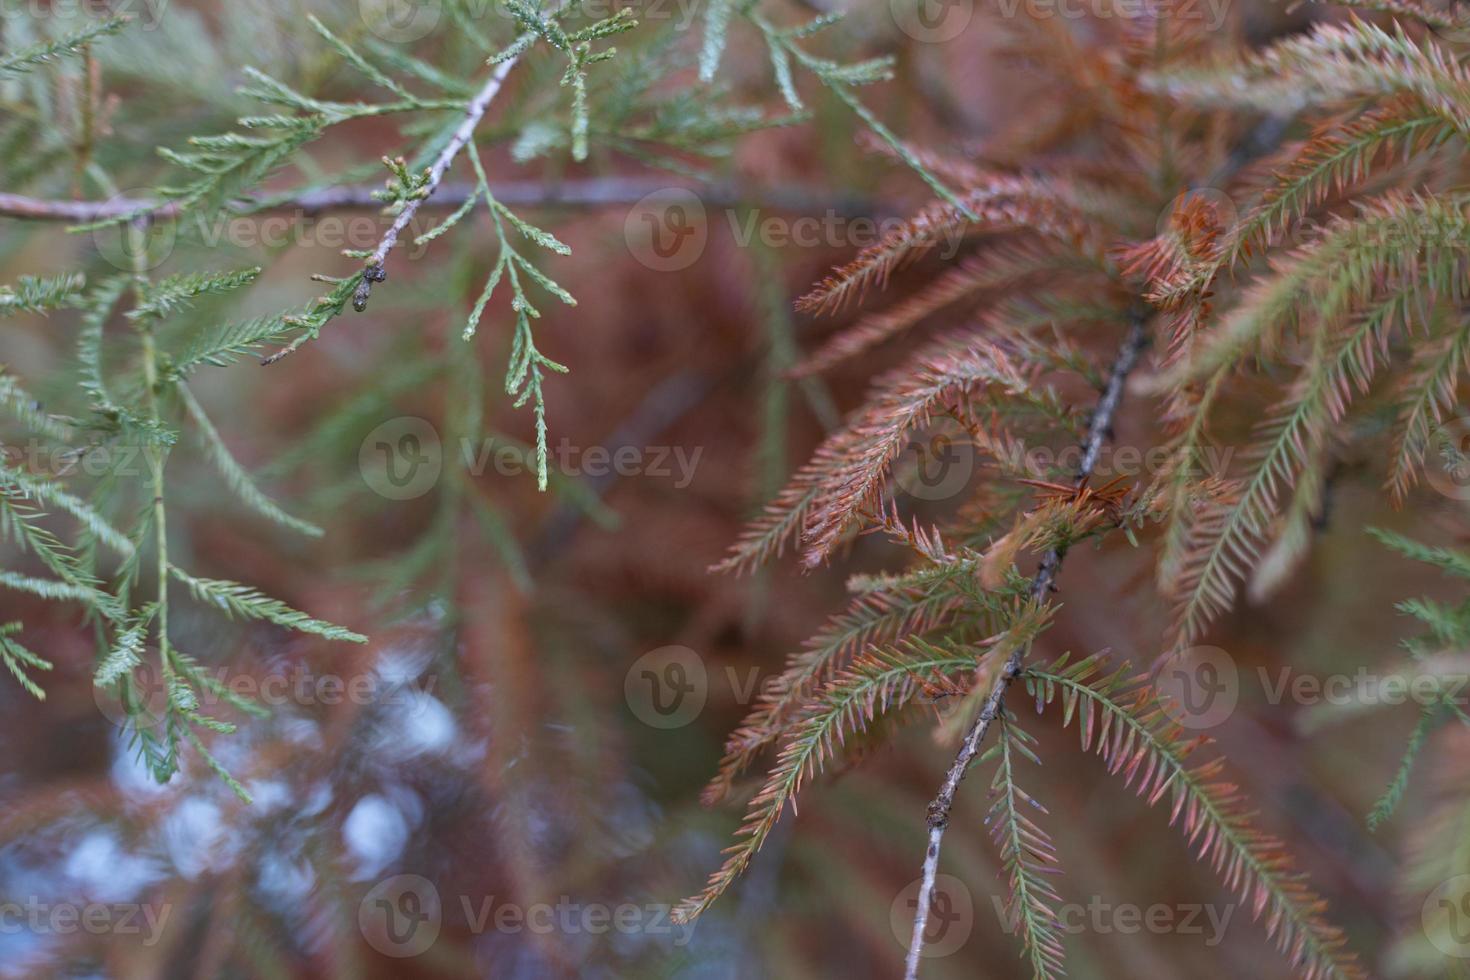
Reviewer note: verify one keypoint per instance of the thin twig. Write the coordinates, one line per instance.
(1097, 433)
(462, 135)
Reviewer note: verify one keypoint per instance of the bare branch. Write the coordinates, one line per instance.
(596, 192)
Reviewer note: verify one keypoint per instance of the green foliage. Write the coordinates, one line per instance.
(127, 654)
(1122, 719)
(524, 374)
(878, 683)
(1071, 238)
(33, 295)
(122, 414)
(235, 476)
(17, 658)
(22, 524)
(1436, 662)
(577, 49)
(241, 600)
(44, 52)
(1027, 855)
(176, 293)
(840, 79)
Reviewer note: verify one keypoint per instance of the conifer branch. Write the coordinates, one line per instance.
(880, 682)
(474, 112)
(1124, 722)
(1041, 586)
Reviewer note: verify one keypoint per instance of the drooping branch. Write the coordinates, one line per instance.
(938, 819)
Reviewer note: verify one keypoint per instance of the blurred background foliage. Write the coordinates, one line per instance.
(505, 760)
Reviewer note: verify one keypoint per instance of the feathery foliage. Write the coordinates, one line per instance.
(1106, 229)
(1027, 854)
(875, 684)
(1048, 256)
(1121, 719)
